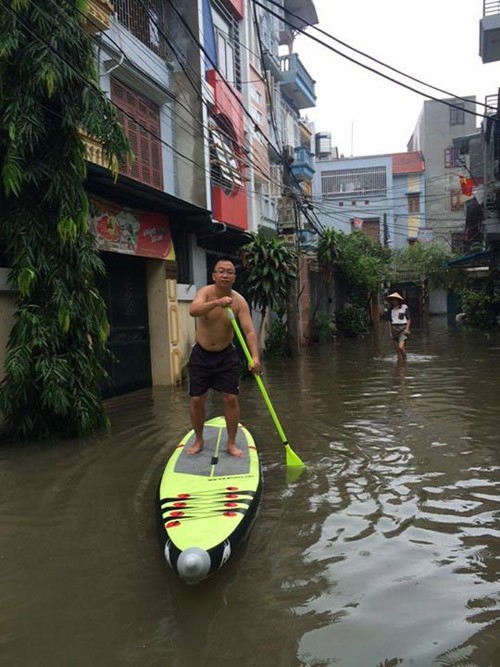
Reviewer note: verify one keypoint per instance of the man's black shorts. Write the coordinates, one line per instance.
(214, 370)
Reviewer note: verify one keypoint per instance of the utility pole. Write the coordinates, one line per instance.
(293, 300)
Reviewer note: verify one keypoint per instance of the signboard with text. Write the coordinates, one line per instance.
(131, 232)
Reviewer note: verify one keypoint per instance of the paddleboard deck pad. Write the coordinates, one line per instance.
(207, 501)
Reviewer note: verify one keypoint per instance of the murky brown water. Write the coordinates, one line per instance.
(382, 553)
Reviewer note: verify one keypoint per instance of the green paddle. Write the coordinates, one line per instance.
(292, 460)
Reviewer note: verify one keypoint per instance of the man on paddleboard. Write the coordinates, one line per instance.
(214, 362)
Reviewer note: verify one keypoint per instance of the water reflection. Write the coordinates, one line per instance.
(382, 552)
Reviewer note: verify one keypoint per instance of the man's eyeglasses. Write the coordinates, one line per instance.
(225, 272)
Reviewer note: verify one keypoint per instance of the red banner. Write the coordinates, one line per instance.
(466, 186)
(131, 232)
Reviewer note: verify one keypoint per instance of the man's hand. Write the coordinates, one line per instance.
(255, 366)
(224, 301)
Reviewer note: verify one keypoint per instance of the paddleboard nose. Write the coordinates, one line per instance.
(193, 565)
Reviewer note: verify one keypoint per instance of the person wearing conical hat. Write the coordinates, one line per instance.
(399, 321)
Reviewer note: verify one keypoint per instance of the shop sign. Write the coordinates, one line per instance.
(425, 234)
(131, 232)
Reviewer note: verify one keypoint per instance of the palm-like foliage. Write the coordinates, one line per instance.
(48, 92)
(270, 271)
(328, 251)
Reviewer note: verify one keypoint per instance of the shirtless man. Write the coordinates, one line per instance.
(214, 362)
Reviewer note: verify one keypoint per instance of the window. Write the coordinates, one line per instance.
(345, 183)
(180, 239)
(141, 120)
(227, 37)
(275, 183)
(414, 203)
(225, 168)
(257, 116)
(456, 203)
(457, 242)
(144, 19)
(225, 56)
(256, 95)
(452, 158)
(457, 114)
(370, 228)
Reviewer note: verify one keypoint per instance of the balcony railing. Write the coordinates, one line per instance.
(98, 16)
(303, 165)
(491, 7)
(489, 32)
(93, 150)
(296, 82)
(146, 20)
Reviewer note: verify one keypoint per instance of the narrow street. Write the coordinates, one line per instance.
(382, 552)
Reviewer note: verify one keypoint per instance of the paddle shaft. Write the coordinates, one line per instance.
(262, 388)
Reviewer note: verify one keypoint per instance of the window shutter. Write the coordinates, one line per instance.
(140, 118)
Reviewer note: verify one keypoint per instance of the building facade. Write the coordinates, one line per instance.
(381, 195)
(208, 103)
(439, 123)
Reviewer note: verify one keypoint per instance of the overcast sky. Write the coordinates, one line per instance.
(436, 41)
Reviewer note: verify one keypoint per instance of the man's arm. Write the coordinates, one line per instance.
(408, 318)
(201, 305)
(250, 335)
(389, 322)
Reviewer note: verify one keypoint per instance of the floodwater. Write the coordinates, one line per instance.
(383, 552)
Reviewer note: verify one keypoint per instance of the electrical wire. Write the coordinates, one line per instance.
(371, 69)
(99, 92)
(366, 55)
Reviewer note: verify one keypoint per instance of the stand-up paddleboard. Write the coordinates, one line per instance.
(207, 501)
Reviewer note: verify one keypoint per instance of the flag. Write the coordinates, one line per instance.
(466, 185)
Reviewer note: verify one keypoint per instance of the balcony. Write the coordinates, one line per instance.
(93, 150)
(489, 31)
(98, 16)
(297, 15)
(303, 165)
(491, 229)
(296, 82)
(272, 63)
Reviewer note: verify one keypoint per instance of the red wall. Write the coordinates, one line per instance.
(231, 209)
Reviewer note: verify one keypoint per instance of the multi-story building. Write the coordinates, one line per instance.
(207, 103)
(439, 123)
(138, 219)
(381, 195)
(289, 90)
(482, 185)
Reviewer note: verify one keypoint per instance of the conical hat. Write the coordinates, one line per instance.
(395, 295)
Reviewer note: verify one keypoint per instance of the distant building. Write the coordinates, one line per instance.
(439, 123)
(381, 195)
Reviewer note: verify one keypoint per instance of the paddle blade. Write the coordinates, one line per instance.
(292, 459)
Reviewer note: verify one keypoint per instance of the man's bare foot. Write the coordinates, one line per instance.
(234, 451)
(197, 447)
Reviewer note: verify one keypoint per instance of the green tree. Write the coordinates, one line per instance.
(426, 261)
(479, 306)
(360, 265)
(363, 263)
(53, 370)
(270, 271)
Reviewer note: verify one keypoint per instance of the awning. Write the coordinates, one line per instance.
(300, 13)
(129, 192)
(485, 258)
